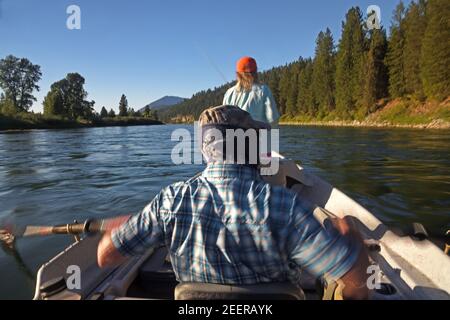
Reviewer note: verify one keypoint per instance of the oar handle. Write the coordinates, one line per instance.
(89, 226)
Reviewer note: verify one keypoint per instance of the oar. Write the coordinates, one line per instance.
(9, 234)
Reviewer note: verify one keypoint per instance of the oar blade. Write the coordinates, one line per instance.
(7, 239)
(8, 233)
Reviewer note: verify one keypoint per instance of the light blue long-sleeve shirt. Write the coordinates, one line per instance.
(259, 102)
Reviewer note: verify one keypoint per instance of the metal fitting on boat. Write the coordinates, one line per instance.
(419, 231)
(447, 242)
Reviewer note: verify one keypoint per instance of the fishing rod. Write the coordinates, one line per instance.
(210, 61)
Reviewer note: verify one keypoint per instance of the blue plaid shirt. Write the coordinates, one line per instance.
(228, 226)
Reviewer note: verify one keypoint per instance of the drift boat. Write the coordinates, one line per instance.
(404, 267)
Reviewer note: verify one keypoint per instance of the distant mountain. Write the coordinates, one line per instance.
(163, 103)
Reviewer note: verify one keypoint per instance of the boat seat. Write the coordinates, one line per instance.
(267, 291)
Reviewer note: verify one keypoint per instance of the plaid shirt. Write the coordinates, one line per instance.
(228, 226)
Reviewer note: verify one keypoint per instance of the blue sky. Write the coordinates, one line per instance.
(148, 49)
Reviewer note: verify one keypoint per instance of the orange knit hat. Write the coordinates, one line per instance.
(247, 64)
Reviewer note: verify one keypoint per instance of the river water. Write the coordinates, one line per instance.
(56, 176)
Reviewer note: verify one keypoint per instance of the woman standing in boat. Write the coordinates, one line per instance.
(250, 95)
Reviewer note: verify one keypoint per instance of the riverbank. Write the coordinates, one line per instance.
(37, 121)
(398, 113)
(435, 124)
(394, 114)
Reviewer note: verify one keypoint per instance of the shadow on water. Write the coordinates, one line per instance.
(21, 265)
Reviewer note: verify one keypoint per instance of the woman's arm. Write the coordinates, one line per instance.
(271, 110)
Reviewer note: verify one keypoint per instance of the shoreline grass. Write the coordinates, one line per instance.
(400, 113)
(437, 124)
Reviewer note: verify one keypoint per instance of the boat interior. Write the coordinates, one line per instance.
(407, 265)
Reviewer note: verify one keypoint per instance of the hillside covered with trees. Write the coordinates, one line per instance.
(367, 76)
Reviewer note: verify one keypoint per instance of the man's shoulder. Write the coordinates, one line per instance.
(287, 198)
(282, 191)
(178, 186)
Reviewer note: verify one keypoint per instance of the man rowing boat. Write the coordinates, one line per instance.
(227, 226)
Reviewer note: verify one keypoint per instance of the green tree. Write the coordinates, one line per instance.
(376, 75)
(104, 113)
(53, 103)
(394, 57)
(435, 58)
(324, 73)
(133, 113)
(154, 115)
(61, 88)
(273, 80)
(283, 88)
(76, 97)
(111, 113)
(123, 106)
(71, 91)
(18, 79)
(7, 106)
(350, 64)
(305, 98)
(292, 89)
(414, 29)
(146, 112)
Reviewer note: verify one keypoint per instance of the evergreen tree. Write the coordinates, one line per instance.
(292, 89)
(414, 28)
(394, 57)
(111, 113)
(435, 59)
(350, 64)
(283, 88)
(376, 77)
(324, 73)
(305, 99)
(123, 106)
(272, 80)
(146, 112)
(103, 112)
